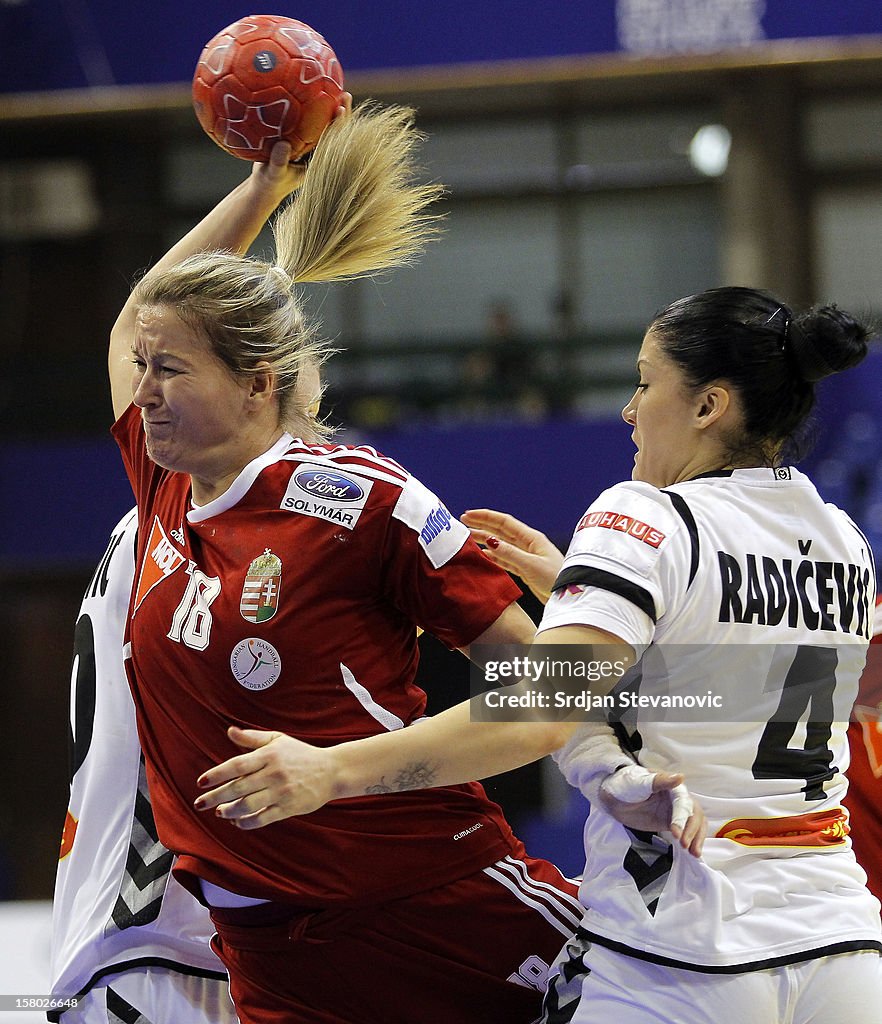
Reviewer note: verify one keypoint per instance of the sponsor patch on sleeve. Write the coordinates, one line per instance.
(623, 524)
(626, 530)
(327, 494)
(441, 535)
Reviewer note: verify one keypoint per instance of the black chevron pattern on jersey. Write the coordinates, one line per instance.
(119, 1011)
(565, 987)
(148, 866)
(648, 862)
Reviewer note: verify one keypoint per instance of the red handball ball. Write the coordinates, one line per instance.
(266, 78)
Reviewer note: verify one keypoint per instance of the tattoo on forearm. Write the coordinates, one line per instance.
(419, 775)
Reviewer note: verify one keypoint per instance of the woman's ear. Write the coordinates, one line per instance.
(261, 383)
(714, 403)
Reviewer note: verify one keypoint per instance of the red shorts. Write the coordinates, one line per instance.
(476, 951)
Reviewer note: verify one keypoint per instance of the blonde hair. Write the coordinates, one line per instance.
(359, 211)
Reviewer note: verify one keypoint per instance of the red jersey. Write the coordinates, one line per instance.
(864, 799)
(290, 603)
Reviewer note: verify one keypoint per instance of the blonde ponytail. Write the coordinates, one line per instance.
(359, 210)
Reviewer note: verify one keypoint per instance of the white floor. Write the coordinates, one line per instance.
(25, 929)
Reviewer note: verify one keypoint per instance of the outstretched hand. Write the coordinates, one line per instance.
(517, 548)
(278, 777)
(279, 176)
(655, 802)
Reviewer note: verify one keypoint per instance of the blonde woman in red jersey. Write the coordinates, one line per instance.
(280, 581)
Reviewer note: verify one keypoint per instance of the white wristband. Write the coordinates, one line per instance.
(590, 756)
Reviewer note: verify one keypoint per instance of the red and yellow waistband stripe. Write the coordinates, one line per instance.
(819, 828)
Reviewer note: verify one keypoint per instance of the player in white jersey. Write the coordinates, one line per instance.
(128, 941)
(723, 575)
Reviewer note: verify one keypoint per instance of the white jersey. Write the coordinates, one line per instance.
(116, 904)
(756, 599)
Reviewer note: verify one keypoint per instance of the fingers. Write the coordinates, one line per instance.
(281, 154)
(664, 801)
(506, 555)
(693, 833)
(236, 768)
(265, 816)
(505, 527)
(242, 765)
(247, 802)
(283, 158)
(633, 784)
(234, 799)
(234, 785)
(665, 781)
(516, 547)
(251, 739)
(282, 171)
(278, 777)
(681, 806)
(484, 519)
(480, 536)
(688, 823)
(248, 812)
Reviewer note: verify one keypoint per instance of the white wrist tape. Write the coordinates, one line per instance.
(633, 785)
(590, 756)
(593, 762)
(681, 805)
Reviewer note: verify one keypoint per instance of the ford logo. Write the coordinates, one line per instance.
(328, 485)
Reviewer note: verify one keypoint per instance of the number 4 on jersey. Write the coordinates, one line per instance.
(808, 686)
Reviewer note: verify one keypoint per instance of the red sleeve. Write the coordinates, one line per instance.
(437, 575)
(864, 797)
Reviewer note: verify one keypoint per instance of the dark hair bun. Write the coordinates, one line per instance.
(825, 340)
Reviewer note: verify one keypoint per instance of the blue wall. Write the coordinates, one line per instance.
(53, 44)
(59, 500)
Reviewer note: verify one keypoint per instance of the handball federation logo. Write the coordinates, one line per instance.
(255, 664)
